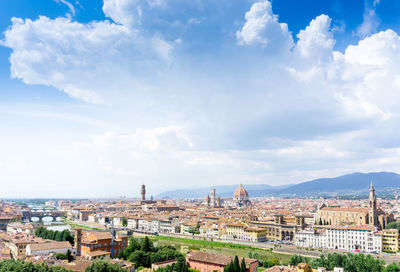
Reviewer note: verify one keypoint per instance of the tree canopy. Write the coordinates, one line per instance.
(104, 266)
(55, 235)
(21, 266)
(143, 252)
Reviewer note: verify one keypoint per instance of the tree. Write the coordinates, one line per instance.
(393, 225)
(275, 261)
(124, 222)
(64, 235)
(393, 267)
(236, 265)
(58, 236)
(21, 266)
(147, 245)
(243, 266)
(296, 259)
(69, 256)
(103, 266)
(181, 265)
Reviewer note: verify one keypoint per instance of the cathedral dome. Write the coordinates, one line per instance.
(207, 199)
(240, 192)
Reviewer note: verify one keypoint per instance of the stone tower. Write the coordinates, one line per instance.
(143, 193)
(372, 209)
(213, 199)
(78, 241)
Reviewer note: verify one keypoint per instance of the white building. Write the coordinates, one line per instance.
(148, 225)
(348, 238)
(14, 228)
(311, 238)
(354, 238)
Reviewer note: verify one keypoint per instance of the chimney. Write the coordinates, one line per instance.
(78, 240)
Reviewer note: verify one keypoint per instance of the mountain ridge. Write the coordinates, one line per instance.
(349, 182)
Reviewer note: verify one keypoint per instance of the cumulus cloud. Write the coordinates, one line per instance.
(262, 27)
(258, 117)
(316, 41)
(82, 59)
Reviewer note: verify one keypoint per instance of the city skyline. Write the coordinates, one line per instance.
(98, 98)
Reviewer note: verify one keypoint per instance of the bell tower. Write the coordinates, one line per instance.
(372, 209)
(143, 193)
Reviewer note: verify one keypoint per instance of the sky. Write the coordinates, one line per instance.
(100, 97)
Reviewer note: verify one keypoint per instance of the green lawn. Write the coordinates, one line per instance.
(184, 245)
(69, 222)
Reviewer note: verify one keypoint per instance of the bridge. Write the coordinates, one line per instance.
(27, 215)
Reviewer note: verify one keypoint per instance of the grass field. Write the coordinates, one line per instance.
(184, 245)
(72, 224)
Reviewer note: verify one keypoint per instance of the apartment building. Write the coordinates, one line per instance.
(390, 240)
(102, 241)
(349, 238)
(311, 238)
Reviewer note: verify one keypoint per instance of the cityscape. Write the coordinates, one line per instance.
(270, 233)
(199, 136)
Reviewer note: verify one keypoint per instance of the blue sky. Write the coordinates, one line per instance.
(107, 95)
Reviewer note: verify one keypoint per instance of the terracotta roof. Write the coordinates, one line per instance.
(338, 209)
(78, 266)
(241, 191)
(100, 235)
(50, 246)
(214, 258)
(97, 253)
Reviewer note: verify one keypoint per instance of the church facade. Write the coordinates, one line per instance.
(371, 215)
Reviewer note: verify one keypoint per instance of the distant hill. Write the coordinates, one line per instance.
(350, 182)
(345, 183)
(222, 191)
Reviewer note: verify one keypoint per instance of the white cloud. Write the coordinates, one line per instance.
(82, 59)
(69, 5)
(370, 20)
(212, 118)
(262, 27)
(316, 41)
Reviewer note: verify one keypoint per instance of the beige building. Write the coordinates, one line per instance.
(282, 228)
(342, 216)
(390, 240)
(371, 215)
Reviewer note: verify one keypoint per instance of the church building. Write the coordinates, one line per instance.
(371, 215)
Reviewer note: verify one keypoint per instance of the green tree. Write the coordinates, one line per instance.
(296, 259)
(393, 225)
(243, 266)
(181, 265)
(275, 261)
(147, 245)
(103, 266)
(69, 256)
(21, 266)
(236, 265)
(393, 267)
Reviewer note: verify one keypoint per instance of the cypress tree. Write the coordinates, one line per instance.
(236, 265)
(243, 266)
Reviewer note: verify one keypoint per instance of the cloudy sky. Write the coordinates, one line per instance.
(98, 97)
